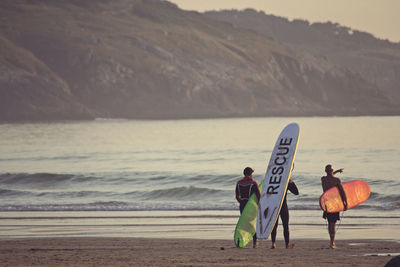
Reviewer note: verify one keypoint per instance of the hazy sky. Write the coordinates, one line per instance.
(378, 17)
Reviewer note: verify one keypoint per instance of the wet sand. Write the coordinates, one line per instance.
(98, 251)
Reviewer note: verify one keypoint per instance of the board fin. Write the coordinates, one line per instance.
(266, 212)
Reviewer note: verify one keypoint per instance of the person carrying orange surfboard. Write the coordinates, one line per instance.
(328, 182)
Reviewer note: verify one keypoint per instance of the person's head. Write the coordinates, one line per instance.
(329, 169)
(248, 171)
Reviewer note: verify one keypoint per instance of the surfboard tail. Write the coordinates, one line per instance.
(238, 243)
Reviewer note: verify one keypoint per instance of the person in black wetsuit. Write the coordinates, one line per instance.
(244, 189)
(284, 214)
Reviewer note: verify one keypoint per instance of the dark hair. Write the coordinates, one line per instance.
(328, 168)
(248, 171)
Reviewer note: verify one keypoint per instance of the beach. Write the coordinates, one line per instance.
(87, 251)
(182, 238)
(161, 193)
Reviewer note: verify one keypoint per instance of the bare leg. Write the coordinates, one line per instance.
(255, 243)
(332, 232)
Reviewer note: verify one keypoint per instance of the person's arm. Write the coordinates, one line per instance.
(342, 195)
(292, 187)
(255, 190)
(237, 193)
(340, 170)
(323, 184)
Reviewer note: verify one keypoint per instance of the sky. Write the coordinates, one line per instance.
(378, 17)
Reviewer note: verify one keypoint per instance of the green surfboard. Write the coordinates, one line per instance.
(246, 225)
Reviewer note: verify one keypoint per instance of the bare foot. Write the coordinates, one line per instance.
(290, 246)
(273, 245)
(333, 246)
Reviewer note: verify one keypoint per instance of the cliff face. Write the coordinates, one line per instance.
(376, 61)
(149, 59)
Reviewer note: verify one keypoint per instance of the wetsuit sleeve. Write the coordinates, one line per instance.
(237, 193)
(293, 188)
(256, 190)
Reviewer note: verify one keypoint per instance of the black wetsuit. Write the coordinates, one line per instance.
(244, 189)
(284, 214)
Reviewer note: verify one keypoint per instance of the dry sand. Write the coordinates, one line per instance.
(86, 251)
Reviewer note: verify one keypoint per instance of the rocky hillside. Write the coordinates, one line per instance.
(375, 60)
(147, 59)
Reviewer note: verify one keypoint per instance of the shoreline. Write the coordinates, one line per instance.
(216, 117)
(206, 224)
(101, 251)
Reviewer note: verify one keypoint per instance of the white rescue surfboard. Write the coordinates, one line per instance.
(276, 179)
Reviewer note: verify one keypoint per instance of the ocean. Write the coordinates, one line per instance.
(133, 172)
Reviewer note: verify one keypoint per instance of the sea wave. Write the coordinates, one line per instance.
(182, 193)
(42, 158)
(34, 179)
(13, 193)
(156, 191)
(115, 206)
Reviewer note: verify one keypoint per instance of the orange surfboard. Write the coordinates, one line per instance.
(356, 193)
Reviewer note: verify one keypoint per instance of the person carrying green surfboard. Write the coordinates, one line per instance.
(244, 189)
